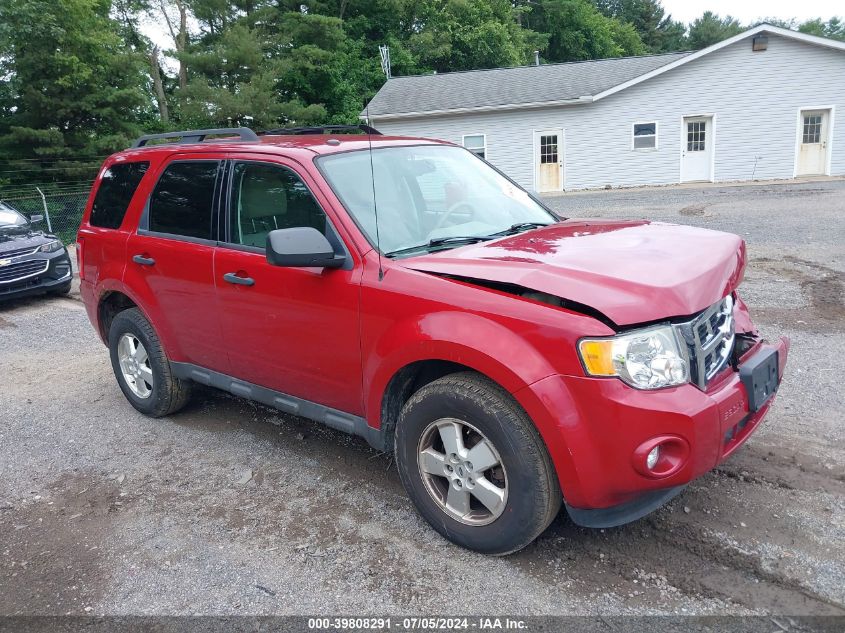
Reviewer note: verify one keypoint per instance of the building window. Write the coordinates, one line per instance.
(812, 129)
(548, 149)
(477, 144)
(696, 136)
(645, 136)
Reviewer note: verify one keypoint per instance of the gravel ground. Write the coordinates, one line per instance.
(229, 507)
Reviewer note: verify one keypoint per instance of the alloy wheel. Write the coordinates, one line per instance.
(135, 365)
(462, 471)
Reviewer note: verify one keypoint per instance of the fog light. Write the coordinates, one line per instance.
(661, 456)
(653, 456)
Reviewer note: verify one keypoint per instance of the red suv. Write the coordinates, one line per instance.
(406, 291)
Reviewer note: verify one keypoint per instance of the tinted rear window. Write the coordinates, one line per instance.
(183, 198)
(117, 187)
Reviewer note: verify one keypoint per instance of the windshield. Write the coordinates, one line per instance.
(426, 194)
(10, 217)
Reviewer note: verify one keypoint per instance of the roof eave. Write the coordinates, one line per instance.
(478, 109)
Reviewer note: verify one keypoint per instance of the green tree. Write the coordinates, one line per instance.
(833, 28)
(73, 88)
(577, 30)
(710, 29)
(658, 31)
(231, 83)
(469, 34)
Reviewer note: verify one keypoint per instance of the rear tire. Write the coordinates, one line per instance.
(504, 500)
(142, 368)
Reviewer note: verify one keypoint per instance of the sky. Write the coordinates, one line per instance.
(751, 10)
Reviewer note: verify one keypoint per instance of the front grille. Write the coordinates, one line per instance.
(21, 270)
(29, 250)
(709, 338)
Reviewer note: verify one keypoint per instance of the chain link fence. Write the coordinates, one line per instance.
(62, 208)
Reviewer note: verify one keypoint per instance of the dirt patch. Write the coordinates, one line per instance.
(693, 209)
(785, 468)
(53, 543)
(822, 286)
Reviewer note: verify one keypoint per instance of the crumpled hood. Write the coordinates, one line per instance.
(632, 272)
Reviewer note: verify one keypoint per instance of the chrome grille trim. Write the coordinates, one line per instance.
(29, 250)
(23, 270)
(709, 338)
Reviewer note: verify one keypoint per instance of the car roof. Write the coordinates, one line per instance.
(319, 144)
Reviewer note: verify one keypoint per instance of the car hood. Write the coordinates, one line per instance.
(632, 271)
(10, 241)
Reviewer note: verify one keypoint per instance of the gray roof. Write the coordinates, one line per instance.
(510, 86)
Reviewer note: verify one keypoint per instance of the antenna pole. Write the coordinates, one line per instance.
(375, 202)
(384, 53)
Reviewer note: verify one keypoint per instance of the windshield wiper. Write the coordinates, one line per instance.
(519, 227)
(442, 241)
(458, 239)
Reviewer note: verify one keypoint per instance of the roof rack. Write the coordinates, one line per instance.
(325, 129)
(198, 136)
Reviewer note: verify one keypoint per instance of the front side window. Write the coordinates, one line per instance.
(269, 197)
(427, 192)
(182, 202)
(645, 135)
(477, 144)
(117, 186)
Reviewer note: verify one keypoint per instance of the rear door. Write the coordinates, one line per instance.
(170, 259)
(293, 330)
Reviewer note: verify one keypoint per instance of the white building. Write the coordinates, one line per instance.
(757, 106)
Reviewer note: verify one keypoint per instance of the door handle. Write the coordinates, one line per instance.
(144, 261)
(233, 278)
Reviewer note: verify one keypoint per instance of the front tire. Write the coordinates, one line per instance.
(142, 368)
(475, 466)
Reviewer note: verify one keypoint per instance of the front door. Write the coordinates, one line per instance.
(293, 330)
(548, 157)
(697, 149)
(812, 153)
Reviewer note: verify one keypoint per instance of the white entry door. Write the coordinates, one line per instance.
(697, 149)
(812, 152)
(548, 160)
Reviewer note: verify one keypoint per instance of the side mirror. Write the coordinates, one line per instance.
(301, 246)
(35, 219)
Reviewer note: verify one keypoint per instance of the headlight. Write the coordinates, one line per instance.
(51, 247)
(650, 358)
